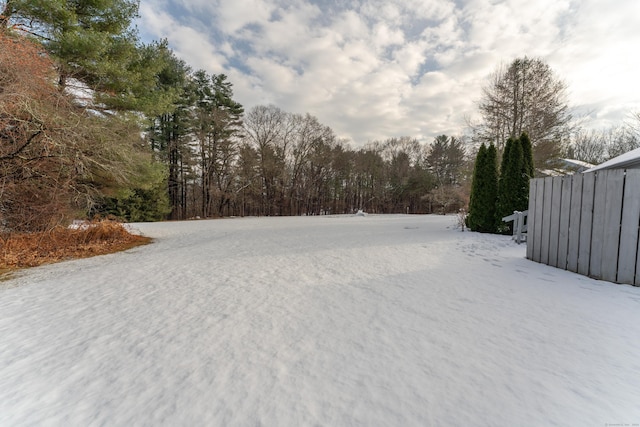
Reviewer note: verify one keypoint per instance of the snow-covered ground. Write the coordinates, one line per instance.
(333, 321)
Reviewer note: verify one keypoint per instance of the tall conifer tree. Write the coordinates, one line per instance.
(513, 188)
(505, 154)
(484, 188)
(527, 154)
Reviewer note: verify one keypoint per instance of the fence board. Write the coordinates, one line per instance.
(546, 220)
(565, 213)
(554, 226)
(629, 228)
(611, 230)
(531, 242)
(586, 222)
(537, 227)
(597, 227)
(574, 222)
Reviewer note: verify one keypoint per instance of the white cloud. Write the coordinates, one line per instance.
(351, 25)
(373, 69)
(235, 15)
(410, 56)
(383, 36)
(187, 41)
(598, 59)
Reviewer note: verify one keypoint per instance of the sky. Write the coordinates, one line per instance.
(375, 69)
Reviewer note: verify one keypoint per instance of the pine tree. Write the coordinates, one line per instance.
(169, 132)
(484, 187)
(95, 43)
(217, 122)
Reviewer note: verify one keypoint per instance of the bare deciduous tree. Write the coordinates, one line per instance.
(525, 97)
(598, 145)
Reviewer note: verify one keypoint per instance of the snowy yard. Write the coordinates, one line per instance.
(334, 321)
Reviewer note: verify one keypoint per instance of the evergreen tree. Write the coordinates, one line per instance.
(528, 171)
(446, 159)
(94, 43)
(505, 154)
(217, 124)
(473, 216)
(513, 188)
(169, 132)
(484, 187)
(527, 154)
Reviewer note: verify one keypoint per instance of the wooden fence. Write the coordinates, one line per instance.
(587, 223)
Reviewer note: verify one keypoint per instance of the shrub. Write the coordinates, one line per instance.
(99, 237)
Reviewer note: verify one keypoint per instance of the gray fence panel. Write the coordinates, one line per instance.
(531, 242)
(613, 213)
(586, 222)
(554, 226)
(565, 214)
(574, 222)
(628, 253)
(546, 220)
(537, 226)
(597, 226)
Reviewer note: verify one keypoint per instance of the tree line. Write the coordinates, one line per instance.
(95, 122)
(223, 162)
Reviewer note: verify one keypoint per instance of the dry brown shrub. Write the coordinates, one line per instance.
(37, 170)
(19, 250)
